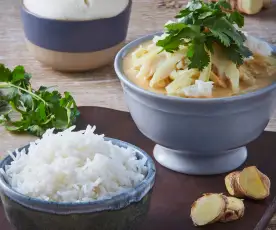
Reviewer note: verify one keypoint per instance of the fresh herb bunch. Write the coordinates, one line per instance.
(201, 25)
(39, 109)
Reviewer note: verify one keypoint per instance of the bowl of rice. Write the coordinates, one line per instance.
(76, 180)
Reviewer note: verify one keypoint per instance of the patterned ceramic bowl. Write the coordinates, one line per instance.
(68, 45)
(122, 212)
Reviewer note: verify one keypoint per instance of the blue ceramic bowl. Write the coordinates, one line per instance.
(69, 45)
(122, 212)
(197, 136)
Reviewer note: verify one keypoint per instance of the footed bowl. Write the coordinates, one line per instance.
(197, 136)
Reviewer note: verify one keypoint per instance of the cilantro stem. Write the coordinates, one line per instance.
(8, 85)
(40, 109)
(17, 109)
(52, 117)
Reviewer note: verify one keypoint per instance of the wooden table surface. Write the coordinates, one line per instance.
(100, 87)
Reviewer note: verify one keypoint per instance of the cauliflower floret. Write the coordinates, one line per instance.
(199, 89)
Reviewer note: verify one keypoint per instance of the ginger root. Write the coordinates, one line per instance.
(253, 183)
(208, 209)
(232, 185)
(234, 210)
(249, 6)
(214, 207)
(250, 182)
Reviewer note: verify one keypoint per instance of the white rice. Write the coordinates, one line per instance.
(74, 167)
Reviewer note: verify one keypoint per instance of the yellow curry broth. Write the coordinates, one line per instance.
(262, 80)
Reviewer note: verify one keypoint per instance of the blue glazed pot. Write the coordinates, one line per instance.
(197, 136)
(122, 212)
(71, 45)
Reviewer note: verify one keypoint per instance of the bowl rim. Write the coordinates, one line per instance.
(118, 66)
(119, 201)
(24, 8)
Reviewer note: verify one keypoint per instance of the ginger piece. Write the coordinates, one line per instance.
(253, 183)
(208, 209)
(234, 210)
(232, 185)
(249, 6)
(266, 181)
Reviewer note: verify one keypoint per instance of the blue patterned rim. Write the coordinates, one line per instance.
(64, 208)
(118, 65)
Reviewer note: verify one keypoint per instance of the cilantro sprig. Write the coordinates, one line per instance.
(201, 25)
(39, 109)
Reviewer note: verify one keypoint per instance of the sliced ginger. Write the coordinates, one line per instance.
(250, 182)
(249, 6)
(214, 207)
(232, 185)
(208, 209)
(234, 210)
(253, 183)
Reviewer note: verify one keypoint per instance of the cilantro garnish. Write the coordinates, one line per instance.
(201, 25)
(39, 109)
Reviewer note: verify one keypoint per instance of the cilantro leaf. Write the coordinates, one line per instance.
(176, 37)
(39, 109)
(205, 15)
(27, 101)
(18, 74)
(236, 18)
(5, 73)
(224, 39)
(198, 55)
(194, 5)
(233, 54)
(214, 26)
(224, 4)
(175, 27)
(209, 44)
(222, 28)
(170, 43)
